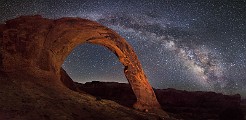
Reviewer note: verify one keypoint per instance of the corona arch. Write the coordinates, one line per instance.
(43, 44)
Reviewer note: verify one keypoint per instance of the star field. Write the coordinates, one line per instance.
(189, 44)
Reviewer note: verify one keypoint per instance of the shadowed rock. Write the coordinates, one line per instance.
(39, 47)
(67, 81)
(199, 105)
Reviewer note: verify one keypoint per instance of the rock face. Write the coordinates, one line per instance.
(118, 92)
(27, 97)
(202, 105)
(67, 81)
(183, 104)
(39, 47)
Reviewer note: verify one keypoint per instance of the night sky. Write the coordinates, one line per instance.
(182, 44)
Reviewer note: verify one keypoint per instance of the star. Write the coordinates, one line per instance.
(189, 45)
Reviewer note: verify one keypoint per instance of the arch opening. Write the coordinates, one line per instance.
(88, 62)
(96, 70)
(80, 31)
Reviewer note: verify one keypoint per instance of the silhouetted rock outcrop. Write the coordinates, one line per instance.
(183, 104)
(205, 105)
(243, 101)
(119, 92)
(67, 81)
(243, 107)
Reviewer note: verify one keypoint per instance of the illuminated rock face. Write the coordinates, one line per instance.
(39, 46)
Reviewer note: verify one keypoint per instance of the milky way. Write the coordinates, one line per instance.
(190, 45)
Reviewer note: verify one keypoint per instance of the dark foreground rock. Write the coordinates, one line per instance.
(243, 107)
(182, 104)
(27, 97)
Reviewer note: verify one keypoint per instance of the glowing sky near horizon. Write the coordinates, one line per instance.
(188, 44)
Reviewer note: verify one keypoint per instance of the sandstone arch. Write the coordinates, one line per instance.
(39, 45)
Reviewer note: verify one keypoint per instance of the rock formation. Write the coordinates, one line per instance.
(39, 46)
(27, 97)
(197, 105)
(67, 81)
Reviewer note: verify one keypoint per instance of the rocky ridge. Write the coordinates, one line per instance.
(179, 103)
